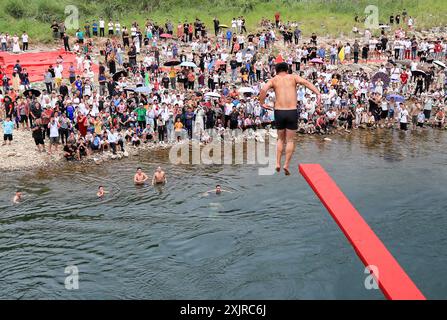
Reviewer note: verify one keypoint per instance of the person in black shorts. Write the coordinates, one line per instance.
(37, 132)
(286, 114)
(286, 119)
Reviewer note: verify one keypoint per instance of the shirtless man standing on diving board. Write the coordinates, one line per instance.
(286, 114)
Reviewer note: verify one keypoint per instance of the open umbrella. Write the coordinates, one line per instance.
(246, 90)
(132, 89)
(188, 64)
(212, 95)
(166, 35)
(395, 97)
(224, 26)
(167, 69)
(382, 76)
(143, 90)
(317, 61)
(33, 92)
(119, 74)
(417, 73)
(440, 64)
(171, 63)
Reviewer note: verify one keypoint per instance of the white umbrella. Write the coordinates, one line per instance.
(144, 90)
(440, 64)
(188, 64)
(212, 95)
(246, 90)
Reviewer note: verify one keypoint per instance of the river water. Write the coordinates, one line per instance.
(267, 238)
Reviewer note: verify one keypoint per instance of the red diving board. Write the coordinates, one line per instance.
(392, 279)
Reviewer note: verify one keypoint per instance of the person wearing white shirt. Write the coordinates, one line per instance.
(24, 41)
(117, 28)
(110, 27)
(102, 25)
(114, 138)
(239, 25)
(54, 134)
(348, 52)
(404, 118)
(133, 31)
(58, 74)
(234, 25)
(3, 42)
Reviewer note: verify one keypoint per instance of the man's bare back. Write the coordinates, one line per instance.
(286, 114)
(285, 85)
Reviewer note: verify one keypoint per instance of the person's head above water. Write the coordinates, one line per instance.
(218, 189)
(282, 67)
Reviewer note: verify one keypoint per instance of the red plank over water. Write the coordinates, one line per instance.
(392, 279)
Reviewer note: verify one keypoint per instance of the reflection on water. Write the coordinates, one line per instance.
(267, 238)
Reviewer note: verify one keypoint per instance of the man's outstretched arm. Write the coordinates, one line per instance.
(263, 93)
(310, 86)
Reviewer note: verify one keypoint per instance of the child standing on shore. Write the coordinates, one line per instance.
(8, 127)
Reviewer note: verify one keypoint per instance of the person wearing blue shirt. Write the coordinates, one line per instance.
(78, 84)
(95, 28)
(8, 128)
(96, 142)
(70, 112)
(229, 37)
(321, 53)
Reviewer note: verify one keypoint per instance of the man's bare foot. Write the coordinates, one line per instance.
(286, 171)
(278, 169)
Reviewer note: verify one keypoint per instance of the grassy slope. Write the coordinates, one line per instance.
(322, 16)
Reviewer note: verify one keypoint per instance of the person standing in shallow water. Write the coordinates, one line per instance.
(140, 177)
(159, 177)
(286, 114)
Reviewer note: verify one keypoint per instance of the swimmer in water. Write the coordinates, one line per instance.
(100, 192)
(217, 191)
(17, 197)
(159, 177)
(140, 177)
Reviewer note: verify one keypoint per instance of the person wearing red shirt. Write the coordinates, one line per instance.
(404, 76)
(438, 49)
(277, 18)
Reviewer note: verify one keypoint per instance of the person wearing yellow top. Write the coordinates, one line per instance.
(98, 126)
(172, 78)
(178, 128)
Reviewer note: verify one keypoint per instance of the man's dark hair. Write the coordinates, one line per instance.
(139, 168)
(217, 185)
(282, 67)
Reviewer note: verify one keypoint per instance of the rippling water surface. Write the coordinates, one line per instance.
(268, 238)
